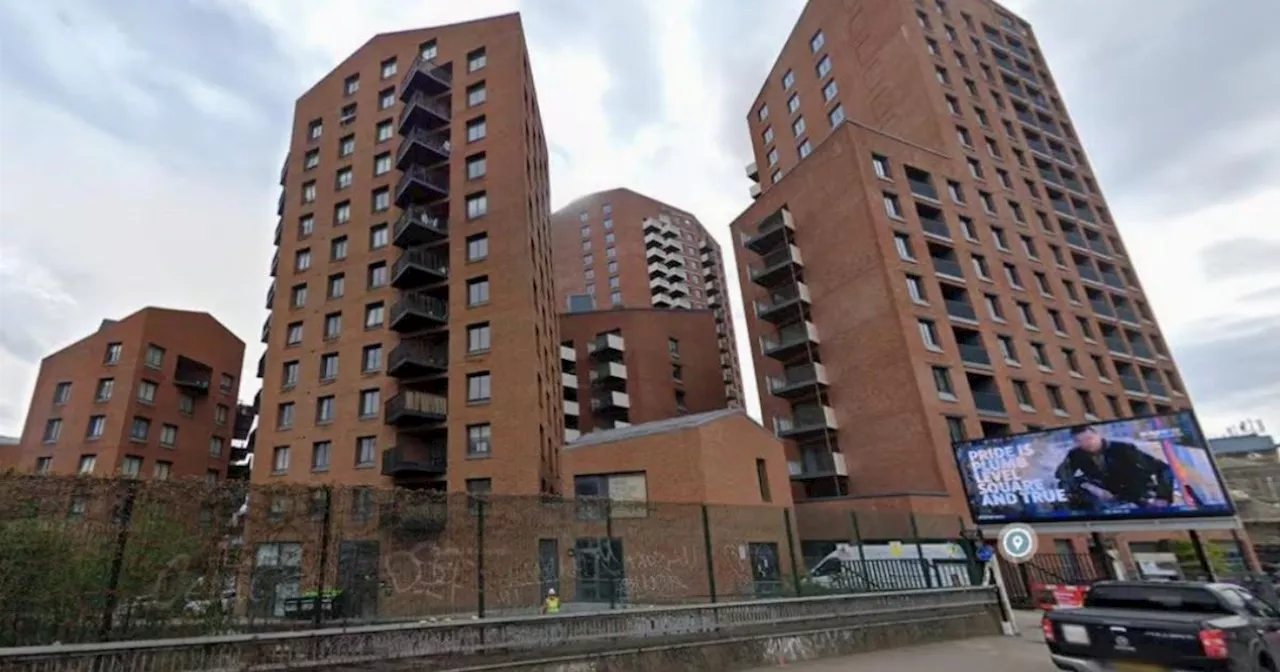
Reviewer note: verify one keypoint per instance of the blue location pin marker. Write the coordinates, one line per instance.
(1017, 543)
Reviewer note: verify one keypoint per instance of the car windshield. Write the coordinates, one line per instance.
(1155, 598)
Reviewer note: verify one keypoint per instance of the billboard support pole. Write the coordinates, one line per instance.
(1203, 557)
(862, 554)
(924, 564)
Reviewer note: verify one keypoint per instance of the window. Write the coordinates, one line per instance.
(103, 391)
(772, 156)
(374, 315)
(131, 466)
(993, 307)
(342, 213)
(476, 60)
(615, 298)
(956, 191)
(385, 131)
(478, 291)
(314, 129)
(793, 103)
(677, 373)
(346, 146)
(284, 415)
(476, 129)
(962, 134)
(293, 334)
(289, 374)
(478, 336)
(387, 99)
(1073, 364)
(798, 127)
(381, 199)
(168, 435)
(221, 413)
(139, 429)
(955, 428)
(805, 149)
(1042, 283)
(942, 382)
(1039, 357)
(324, 409)
(302, 259)
(915, 288)
(1022, 394)
(975, 168)
(762, 113)
(280, 460)
(966, 228)
(816, 42)
(1002, 176)
(344, 179)
(891, 206)
(988, 203)
(477, 205)
(903, 244)
(476, 166)
(378, 275)
(216, 444)
(1055, 398)
(371, 358)
(476, 94)
(112, 356)
(788, 81)
(309, 192)
(320, 453)
(155, 356)
(836, 115)
(953, 105)
(61, 393)
(336, 287)
(478, 390)
(306, 226)
(186, 405)
(52, 430)
(1002, 243)
(1028, 317)
(351, 85)
(479, 440)
(478, 247)
(1011, 274)
(427, 50)
(824, 67)
(366, 451)
(881, 166)
(328, 366)
(980, 267)
(381, 165)
(928, 334)
(162, 471)
(1007, 349)
(379, 237)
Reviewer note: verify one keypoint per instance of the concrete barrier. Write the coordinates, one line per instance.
(716, 636)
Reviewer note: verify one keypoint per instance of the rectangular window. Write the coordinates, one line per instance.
(131, 466)
(216, 444)
(762, 480)
(332, 326)
(477, 247)
(903, 244)
(381, 199)
(478, 336)
(928, 334)
(280, 460)
(915, 289)
(478, 387)
(336, 287)
(378, 275)
(306, 225)
(221, 414)
(155, 356)
(52, 430)
(112, 356)
(309, 192)
(186, 405)
(477, 205)
(147, 392)
(881, 166)
(379, 237)
(370, 402)
(476, 60)
(476, 129)
(479, 440)
(942, 382)
(371, 359)
(328, 366)
(168, 435)
(61, 393)
(289, 376)
(374, 315)
(382, 164)
(163, 470)
(345, 178)
(324, 409)
(285, 415)
(385, 131)
(139, 429)
(891, 206)
(477, 166)
(302, 259)
(366, 451)
(346, 146)
(293, 334)
(298, 296)
(476, 94)
(320, 451)
(478, 291)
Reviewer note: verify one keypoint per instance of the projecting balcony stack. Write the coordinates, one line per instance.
(795, 344)
(420, 313)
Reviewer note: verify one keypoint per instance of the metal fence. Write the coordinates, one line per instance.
(85, 560)
(1045, 569)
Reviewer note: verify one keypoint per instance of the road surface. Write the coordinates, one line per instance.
(1025, 653)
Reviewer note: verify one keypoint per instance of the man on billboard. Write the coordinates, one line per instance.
(1098, 473)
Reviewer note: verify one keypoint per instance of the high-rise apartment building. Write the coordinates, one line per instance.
(929, 256)
(152, 395)
(618, 249)
(412, 338)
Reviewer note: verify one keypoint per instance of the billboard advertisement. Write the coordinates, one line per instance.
(1140, 468)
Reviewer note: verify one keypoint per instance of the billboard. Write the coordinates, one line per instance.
(1140, 468)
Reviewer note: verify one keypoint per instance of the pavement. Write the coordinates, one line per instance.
(1024, 653)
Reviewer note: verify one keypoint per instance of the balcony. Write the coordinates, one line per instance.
(1083, 213)
(1074, 239)
(659, 285)
(922, 188)
(1140, 348)
(192, 377)
(947, 267)
(1116, 345)
(609, 371)
(424, 76)
(610, 400)
(1062, 207)
(569, 380)
(420, 185)
(934, 226)
(662, 300)
(412, 409)
(712, 288)
(1131, 384)
(415, 312)
(1098, 245)
(1112, 280)
(1101, 307)
(571, 435)
(686, 304)
(959, 309)
(786, 305)
(793, 340)
(567, 354)
(416, 227)
(606, 344)
(421, 147)
(266, 330)
(279, 232)
(776, 230)
(1062, 156)
(975, 354)
(262, 366)
(275, 264)
(989, 403)
(1088, 274)
(818, 465)
(806, 421)
(679, 289)
(799, 381)
(1126, 314)
(271, 295)
(280, 203)
(419, 267)
(571, 407)
(423, 111)
(417, 359)
(430, 458)
(753, 172)
(777, 267)
(1157, 389)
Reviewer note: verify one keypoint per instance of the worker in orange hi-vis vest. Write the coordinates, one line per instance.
(551, 605)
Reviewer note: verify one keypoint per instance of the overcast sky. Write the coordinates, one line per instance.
(141, 142)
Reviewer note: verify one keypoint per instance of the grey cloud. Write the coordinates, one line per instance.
(1265, 295)
(1164, 94)
(1235, 363)
(624, 35)
(1240, 257)
(219, 76)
